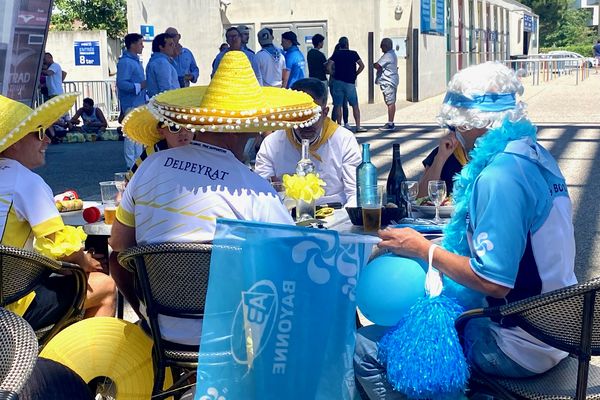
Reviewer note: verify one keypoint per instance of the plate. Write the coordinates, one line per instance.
(429, 211)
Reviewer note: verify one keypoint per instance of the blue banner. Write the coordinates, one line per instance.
(432, 17)
(280, 313)
(87, 53)
(527, 23)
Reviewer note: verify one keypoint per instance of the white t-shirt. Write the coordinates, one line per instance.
(270, 68)
(177, 195)
(54, 82)
(339, 158)
(388, 75)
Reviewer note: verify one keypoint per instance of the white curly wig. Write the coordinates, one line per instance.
(478, 80)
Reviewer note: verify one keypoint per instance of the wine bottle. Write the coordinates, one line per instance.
(395, 178)
(366, 177)
(305, 166)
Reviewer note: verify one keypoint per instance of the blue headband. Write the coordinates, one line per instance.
(489, 102)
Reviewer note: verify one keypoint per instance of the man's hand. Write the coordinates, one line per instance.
(405, 242)
(188, 77)
(84, 260)
(447, 145)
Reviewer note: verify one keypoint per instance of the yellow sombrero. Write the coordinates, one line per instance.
(232, 102)
(109, 348)
(17, 119)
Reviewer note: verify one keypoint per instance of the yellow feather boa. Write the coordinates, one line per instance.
(66, 242)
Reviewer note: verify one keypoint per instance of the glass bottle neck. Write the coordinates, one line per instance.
(305, 149)
(366, 154)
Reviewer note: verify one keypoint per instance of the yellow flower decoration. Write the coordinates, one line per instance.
(307, 188)
(66, 242)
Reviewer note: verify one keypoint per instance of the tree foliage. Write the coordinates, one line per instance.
(560, 25)
(110, 15)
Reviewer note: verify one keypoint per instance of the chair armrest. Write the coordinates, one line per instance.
(465, 317)
(7, 395)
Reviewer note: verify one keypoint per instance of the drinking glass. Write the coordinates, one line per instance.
(120, 180)
(437, 194)
(410, 189)
(110, 194)
(371, 204)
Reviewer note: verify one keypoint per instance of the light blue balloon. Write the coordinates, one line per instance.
(388, 287)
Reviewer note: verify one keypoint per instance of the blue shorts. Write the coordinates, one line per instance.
(342, 89)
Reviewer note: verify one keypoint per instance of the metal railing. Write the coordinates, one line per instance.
(540, 68)
(104, 94)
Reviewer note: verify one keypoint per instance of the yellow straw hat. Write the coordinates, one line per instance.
(104, 347)
(232, 102)
(17, 119)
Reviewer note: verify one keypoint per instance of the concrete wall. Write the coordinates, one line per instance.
(201, 24)
(61, 45)
(204, 35)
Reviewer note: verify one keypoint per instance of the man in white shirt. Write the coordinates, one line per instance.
(176, 195)
(54, 76)
(270, 61)
(388, 79)
(334, 150)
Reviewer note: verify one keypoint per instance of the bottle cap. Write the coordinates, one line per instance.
(91, 214)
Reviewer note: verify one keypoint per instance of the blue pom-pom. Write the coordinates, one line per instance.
(423, 355)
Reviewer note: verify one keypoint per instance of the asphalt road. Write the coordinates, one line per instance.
(81, 166)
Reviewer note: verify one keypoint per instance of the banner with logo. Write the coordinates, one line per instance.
(280, 313)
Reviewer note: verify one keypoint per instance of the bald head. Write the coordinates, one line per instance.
(386, 44)
(174, 33)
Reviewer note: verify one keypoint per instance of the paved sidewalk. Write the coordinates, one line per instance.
(557, 101)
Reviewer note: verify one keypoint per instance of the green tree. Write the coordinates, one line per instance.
(573, 29)
(110, 15)
(560, 24)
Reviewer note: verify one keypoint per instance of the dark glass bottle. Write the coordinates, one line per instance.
(366, 176)
(395, 179)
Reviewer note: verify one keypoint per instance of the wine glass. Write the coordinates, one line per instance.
(437, 194)
(410, 189)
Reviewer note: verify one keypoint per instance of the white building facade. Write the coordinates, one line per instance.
(433, 38)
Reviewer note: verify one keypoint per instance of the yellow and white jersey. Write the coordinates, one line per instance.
(177, 195)
(27, 210)
(26, 206)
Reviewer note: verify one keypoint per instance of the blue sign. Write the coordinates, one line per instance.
(432, 17)
(147, 31)
(87, 53)
(527, 23)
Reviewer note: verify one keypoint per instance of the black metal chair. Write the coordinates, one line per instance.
(22, 270)
(567, 319)
(172, 280)
(18, 354)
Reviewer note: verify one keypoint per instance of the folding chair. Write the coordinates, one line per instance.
(22, 270)
(18, 354)
(172, 280)
(567, 319)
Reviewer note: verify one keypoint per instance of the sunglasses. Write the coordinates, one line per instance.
(171, 128)
(41, 133)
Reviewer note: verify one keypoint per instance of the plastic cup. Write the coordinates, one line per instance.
(371, 203)
(120, 179)
(109, 192)
(110, 212)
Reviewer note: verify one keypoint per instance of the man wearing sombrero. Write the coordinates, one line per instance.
(176, 195)
(30, 219)
(511, 236)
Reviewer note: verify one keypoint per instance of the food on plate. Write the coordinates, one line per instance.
(391, 205)
(426, 201)
(69, 205)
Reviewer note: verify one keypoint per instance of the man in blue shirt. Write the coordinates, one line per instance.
(160, 72)
(294, 59)
(234, 40)
(184, 62)
(131, 85)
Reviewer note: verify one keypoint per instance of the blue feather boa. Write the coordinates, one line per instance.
(485, 149)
